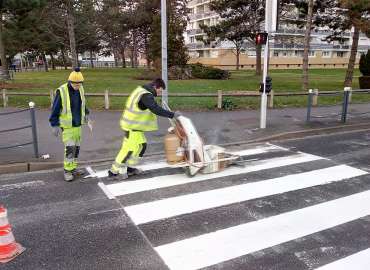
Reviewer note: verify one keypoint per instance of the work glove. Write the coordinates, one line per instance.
(56, 131)
(89, 122)
(177, 114)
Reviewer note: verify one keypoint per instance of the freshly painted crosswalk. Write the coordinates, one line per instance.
(168, 202)
(204, 200)
(129, 187)
(194, 253)
(358, 261)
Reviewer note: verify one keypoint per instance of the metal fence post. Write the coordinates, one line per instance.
(345, 104)
(34, 129)
(350, 94)
(219, 99)
(106, 99)
(271, 99)
(5, 99)
(309, 105)
(315, 97)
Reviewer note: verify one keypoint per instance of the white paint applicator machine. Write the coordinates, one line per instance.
(185, 148)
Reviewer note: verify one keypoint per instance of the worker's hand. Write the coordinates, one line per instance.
(89, 122)
(56, 131)
(177, 114)
(87, 118)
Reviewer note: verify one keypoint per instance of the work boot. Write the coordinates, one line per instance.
(68, 176)
(117, 176)
(78, 172)
(134, 171)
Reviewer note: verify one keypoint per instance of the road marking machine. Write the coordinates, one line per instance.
(185, 148)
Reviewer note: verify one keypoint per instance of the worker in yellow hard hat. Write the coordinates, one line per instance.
(69, 112)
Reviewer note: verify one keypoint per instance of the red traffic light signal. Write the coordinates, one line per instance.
(261, 38)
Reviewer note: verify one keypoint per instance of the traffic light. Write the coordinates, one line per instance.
(261, 38)
(268, 85)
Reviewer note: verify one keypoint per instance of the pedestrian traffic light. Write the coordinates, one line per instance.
(261, 38)
(268, 85)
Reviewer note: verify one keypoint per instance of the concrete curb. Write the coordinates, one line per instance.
(40, 166)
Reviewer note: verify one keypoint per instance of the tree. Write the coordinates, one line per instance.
(10, 11)
(176, 22)
(358, 15)
(86, 28)
(344, 15)
(240, 21)
(115, 31)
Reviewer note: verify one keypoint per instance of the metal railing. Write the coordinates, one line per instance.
(34, 141)
(346, 100)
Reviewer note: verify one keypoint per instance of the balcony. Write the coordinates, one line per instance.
(312, 47)
(199, 16)
(313, 33)
(194, 32)
(197, 2)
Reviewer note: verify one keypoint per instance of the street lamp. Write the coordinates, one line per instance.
(164, 50)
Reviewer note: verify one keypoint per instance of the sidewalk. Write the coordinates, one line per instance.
(214, 128)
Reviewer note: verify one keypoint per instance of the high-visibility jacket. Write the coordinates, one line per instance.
(133, 118)
(65, 118)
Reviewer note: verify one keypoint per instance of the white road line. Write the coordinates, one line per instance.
(213, 248)
(105, 190)
(357, 261)
(185, 204)
(163, 164)
(21, 185)
(129, 187)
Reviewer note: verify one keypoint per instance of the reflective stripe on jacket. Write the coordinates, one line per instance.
(133, 118)
(65, 117)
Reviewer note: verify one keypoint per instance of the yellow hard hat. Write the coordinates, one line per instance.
(76, 76)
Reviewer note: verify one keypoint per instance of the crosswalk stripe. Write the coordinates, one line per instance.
(163, 164)
(358, 261)
(130, 187)
(150, 211)
(216, 247)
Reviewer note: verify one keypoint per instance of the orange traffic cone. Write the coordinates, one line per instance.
(9, 249)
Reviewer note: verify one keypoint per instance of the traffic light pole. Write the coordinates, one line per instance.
(263, 115)
(164, 50)
(271, 12)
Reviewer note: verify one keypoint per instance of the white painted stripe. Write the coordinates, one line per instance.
(216, 247)
(106, 191)
(163, 164)
(185, 204)
(90, 171)
(357, 261)
(22, 185)
(129, 187)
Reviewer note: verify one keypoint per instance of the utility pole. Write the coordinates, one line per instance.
(164, 50)
(271, 10)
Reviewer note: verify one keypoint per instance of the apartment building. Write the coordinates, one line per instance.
(286, 48)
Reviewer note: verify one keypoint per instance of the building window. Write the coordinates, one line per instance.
(298, 53)
(311, 53)
(325, 54)
(340, 54)
(251, 53)
(192, 39)
(276, 54)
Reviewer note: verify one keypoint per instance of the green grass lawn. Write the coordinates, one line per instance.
(120, 80)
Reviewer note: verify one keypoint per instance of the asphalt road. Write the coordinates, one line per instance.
(298, 204)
